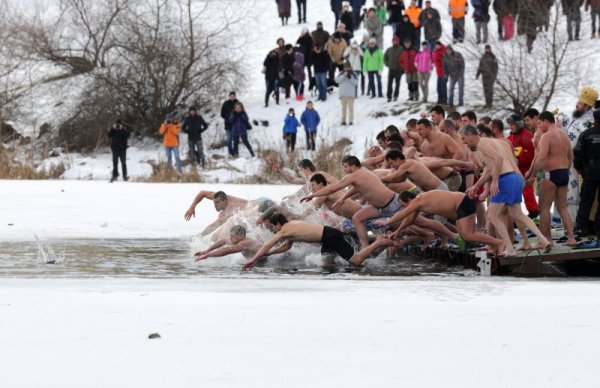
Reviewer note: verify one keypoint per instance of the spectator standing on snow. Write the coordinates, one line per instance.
(347, 17)
(118, 135)
(488, 70)
(345, 34)
(336, 47)
(347, 82)
(284, 7)
(481, 15)
(406, 30)
(170, 131)
(407, 61)
(306, 44)
(290, 129)
(424, 64)
(432, 28)
(310, 119)
(458, 10)
(321, 64)
(336, 8)
(299, 75)
(226, 110)
(503, 8)
(356, 7)
(271, 69)
(374, 27)
(373, 65)
(528, 21)
(454, 69)
(438, 60)
(395, 14)
(240, 124)
(380, 11)
(391, 59)
(353, 56)
(301, 5)
(414, 14)
(594, 7)
(194, 125)
(429, 10)
(572, 10)
(288, 71)
(320, 36)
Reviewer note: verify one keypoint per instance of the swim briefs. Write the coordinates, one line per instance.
(333, 241)
(466, 208)
(559, 177)
(392, 207)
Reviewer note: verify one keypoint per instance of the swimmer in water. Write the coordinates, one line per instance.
(237, 242)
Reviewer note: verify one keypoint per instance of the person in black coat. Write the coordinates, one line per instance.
(405, 30)
(194, 125)
(226, 110)
(271, 69)
(395, 14)
(288, 71)
(118, 135)
(306, 43)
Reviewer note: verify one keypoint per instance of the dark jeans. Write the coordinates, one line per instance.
(332, 69)
(272, 86)
(587, 195)
(394, 76)
(196, 152)
(442, 90)
(372, 76)
(573, 22)
(290, 141)
(595, 13)
(321, 80)
(116, 156)
(301, 4)
(458, 29)
(362, 83)
(310, 140)
(460, 80)
(488, 90)
(229, 139)
(236, 142)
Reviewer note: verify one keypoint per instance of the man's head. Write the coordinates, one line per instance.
(265, 205)
(407, 43)
(381, 139)
(488, 49)
(485, 120)
(424, 127)
(306, 167)
(372, 42)
(531, 119)
(289, 48)
(497, 127)
(485, 131)
(470, 136)
(587, 99)
(428, 5)
(220, 200)
(277, 221)
(319, 25)
(394, 159)
(395, 40)
(456, 117)
(317, 182)
(237, 234)
(437, 114)
(391, 130)
(449, 50)
(406, 197)
(469, 118)
(448, 126)
(350, 164)
(232, 96)
(371, 12)
(280, 42)
(238, 107)
(118, 123)
(309, 105)
(192, 110)
(394, 145)
(516, 123)
(547, 121)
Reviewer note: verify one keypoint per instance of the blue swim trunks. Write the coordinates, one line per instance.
(510, 187)
(348, 226)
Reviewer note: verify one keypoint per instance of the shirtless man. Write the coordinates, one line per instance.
(413, 170)
(382, 201)
(497, 127)
(454, 206)
(445, 169)
(237, 242)
(506, 186)
(555, 156)
(224, 204)
(437, 115)
(468, 118)
(331, 240)
(437, 143)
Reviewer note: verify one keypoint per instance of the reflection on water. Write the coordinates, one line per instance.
(165, 258)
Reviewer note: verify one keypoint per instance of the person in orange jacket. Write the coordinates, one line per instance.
(458, 9)
(414, 13)
(170, 131)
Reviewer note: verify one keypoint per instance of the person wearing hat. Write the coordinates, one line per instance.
(170, 131)
(587, 162)
(354, 57)
(290, 129)
(320, 36)
(194, 125)
(373, 65)
(347, 83)
(488, 69)
(581, 119)
(118, 135)
(391, 59)
(226, 110)
(522, 142)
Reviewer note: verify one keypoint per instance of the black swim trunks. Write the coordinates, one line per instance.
(333, 241)
(466, 208)
(559, 177)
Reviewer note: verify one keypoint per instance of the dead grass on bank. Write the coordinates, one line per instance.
(162, 173)
(15, 165)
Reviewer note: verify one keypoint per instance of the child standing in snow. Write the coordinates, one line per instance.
(310, 119)
(290, 128)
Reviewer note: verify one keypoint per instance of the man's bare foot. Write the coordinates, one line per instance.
(570, 243)
(543, 245)
(427, 241)
(523, 247)
(501, 248)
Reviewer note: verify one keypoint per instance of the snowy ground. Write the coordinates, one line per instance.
(252, 329)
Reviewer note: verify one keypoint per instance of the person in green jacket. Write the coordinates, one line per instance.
(373, 65)
(392, 61)
(381, 12)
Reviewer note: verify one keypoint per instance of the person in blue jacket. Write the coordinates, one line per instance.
(290, 128)
(240, 123)
(310, 119)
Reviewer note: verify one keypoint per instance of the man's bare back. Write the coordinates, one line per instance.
(371, 188)
(559, 149)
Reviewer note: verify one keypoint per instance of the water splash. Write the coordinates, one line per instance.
(46, 254)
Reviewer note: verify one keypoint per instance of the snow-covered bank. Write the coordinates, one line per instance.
(96, 209)
(299, 333)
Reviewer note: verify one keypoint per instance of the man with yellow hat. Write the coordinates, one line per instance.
(581, 119)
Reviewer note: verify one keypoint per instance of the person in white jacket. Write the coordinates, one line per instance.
(347, 82)
(353, 56)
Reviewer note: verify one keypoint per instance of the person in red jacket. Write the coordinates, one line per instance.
(407, 61)
(522, 141)
(438, 61)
